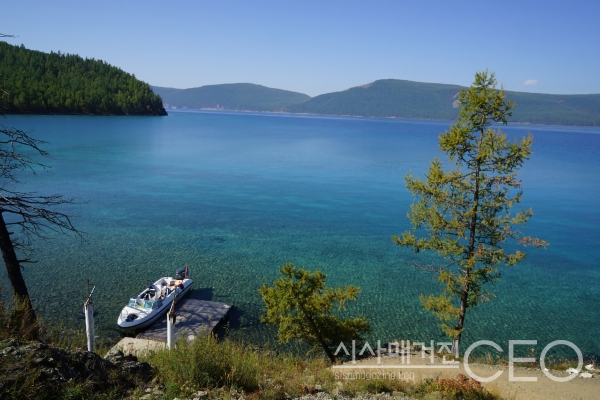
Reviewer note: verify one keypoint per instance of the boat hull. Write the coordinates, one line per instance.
(146, 320)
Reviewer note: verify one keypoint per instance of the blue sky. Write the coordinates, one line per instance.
(317, 47)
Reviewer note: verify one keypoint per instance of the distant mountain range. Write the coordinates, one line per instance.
(382, 98)
(237, 96)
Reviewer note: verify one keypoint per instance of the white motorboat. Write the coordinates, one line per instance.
(152, 303)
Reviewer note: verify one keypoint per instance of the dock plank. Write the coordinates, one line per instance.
(194, 317)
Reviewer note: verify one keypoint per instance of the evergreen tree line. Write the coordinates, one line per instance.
(40, 83)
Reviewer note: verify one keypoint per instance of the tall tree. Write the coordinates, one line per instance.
(464, 214)
(301, 306)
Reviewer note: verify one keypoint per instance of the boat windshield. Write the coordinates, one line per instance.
(140, 303)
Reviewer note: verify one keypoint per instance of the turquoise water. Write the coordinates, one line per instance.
(236, 195)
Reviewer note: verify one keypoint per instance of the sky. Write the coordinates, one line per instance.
(324, 46)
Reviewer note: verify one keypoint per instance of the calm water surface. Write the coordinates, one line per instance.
(237, 195)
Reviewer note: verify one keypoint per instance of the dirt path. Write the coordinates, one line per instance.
(543, 388)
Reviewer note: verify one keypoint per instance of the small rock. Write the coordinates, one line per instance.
(590, 367)
(200, 394)
(10, 350)
(39, 360)
(114, 355)
(147, 396)
(158, 393)
(586, 375)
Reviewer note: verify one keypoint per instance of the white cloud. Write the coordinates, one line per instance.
(530, 82)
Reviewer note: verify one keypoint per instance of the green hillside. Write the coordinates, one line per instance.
(387, 98)
(383, 98)
(406, 99)
(554, 109)
(236, 96)
(40, 83)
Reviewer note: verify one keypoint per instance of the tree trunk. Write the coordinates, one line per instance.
(13, 268)
(317, 333)
(461, 316)
(464, 297)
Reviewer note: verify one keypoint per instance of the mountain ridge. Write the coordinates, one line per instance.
(230, 96)
(398, 98)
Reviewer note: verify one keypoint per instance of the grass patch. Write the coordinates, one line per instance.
(223, 368)
(205, 363)
(460, 387)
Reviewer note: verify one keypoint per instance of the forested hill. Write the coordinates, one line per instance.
(40, 83)
(235, 96)
(407, 99)
(383, 98)
(387, 98)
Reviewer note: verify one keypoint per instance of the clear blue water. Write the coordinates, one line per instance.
(236, 195)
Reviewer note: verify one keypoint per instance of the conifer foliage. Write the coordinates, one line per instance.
(302, 307)
(464, 214)
(40, 83)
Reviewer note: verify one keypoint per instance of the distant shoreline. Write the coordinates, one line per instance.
(93, 115)
(221, 110)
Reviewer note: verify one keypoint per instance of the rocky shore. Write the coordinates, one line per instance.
(38, 367)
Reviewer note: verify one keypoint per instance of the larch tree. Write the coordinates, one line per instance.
(301, 306)
(464, 214)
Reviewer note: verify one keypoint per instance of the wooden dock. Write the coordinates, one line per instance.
(195, 317)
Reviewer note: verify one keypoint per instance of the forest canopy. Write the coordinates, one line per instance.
(35, 82)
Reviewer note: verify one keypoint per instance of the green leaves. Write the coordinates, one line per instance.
(464, 214)
(302, 307)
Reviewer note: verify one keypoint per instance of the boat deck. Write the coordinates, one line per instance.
(194, 317)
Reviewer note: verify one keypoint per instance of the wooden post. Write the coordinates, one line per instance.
(171, 322)
(89, 321)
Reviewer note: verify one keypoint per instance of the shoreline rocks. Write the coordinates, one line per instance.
(52, 368)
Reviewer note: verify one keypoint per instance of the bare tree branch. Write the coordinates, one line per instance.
(28, 215)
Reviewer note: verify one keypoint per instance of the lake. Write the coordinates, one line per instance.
(236, 195)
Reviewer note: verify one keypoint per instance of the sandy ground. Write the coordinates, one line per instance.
(543, 388)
